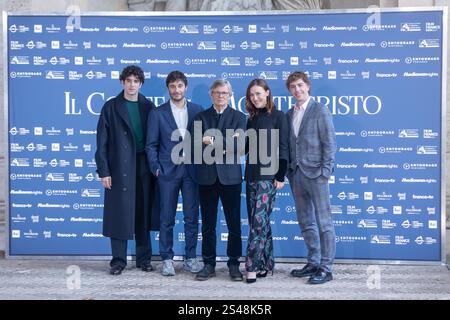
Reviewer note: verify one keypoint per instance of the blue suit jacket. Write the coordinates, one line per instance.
(159, 146)
(314, 149)
(228, 174)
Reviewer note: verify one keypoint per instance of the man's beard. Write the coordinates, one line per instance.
(177, 100)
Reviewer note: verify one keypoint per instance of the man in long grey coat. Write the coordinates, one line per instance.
(312, 149)
(124, 172)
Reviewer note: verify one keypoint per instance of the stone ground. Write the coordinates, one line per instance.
(55, 280)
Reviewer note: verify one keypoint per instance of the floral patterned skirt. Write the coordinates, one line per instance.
(260, 202)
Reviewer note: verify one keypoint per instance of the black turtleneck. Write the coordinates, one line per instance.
(265, 120)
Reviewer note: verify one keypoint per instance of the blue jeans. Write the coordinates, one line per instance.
(169, 192)
(312, 201)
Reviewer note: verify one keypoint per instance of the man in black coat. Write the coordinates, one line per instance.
(124, 172)
(219, 175)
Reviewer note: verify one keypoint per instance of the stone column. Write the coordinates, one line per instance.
(349, 4)
(236, 5)
(84, 5)
(415, 3)
(176, 5)
(298, 4)
(388, 3)
(141, 5)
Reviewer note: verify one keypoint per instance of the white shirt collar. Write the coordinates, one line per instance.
(221, 111)
(176, 108)
(305, 104)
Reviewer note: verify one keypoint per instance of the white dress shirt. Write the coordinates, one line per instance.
(181, 117)
(221, 111)
(299, 112)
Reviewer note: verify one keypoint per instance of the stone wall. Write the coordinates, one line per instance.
(84, 5)
(224, 5)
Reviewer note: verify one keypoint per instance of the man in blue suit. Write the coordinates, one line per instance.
(167, 129)
(312, 149)
(222, 138)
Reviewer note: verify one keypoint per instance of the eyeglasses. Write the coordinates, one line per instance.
(219, 93)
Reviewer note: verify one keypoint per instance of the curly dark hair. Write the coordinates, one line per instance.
(132, 71)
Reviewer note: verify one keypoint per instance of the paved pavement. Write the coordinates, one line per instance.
(81, 279)
(38, 279)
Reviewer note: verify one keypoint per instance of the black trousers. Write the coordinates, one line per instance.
(142, 237)
(230, 195)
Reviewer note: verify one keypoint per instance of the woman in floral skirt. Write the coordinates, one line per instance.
(267, 158)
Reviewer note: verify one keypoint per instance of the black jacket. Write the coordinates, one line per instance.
(116, 157)
(267, 158)
(228, 172)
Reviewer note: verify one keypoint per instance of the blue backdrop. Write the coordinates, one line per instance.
(380, 75)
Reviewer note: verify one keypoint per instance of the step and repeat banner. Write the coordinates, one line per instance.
(380, 74)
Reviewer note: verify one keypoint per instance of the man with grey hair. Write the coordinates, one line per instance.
(220, 177)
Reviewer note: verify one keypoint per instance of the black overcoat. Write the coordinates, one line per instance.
(116, 157)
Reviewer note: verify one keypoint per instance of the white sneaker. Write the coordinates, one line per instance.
(167, 268)
(192, 265)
